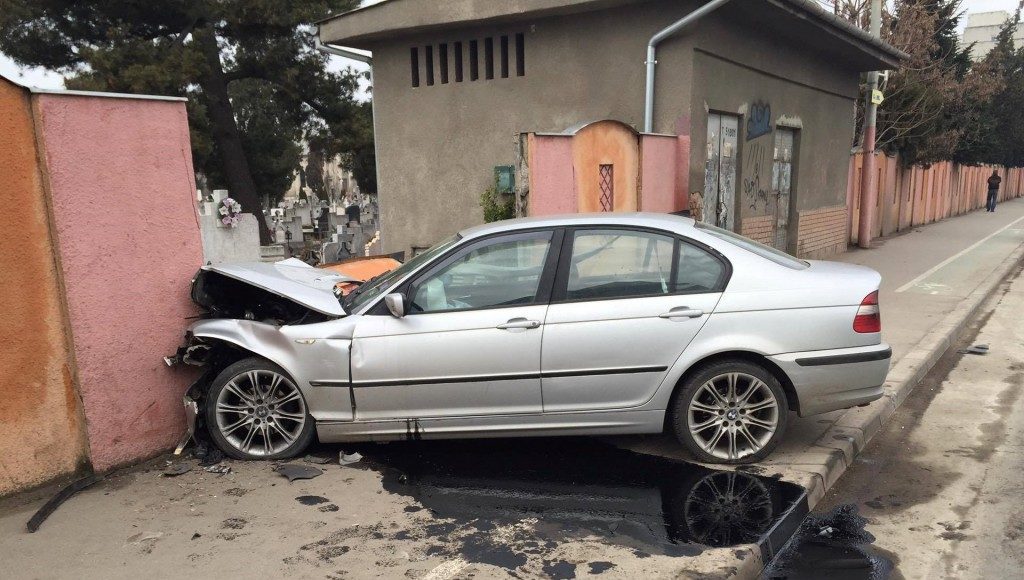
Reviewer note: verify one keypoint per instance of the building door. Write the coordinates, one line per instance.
(782, 184)
(720, 170)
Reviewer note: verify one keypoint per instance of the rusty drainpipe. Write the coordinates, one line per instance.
(652, 48)
(869, 175)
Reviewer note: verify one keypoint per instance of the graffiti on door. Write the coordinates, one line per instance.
(720, 170)
(755, 182)
(782, 184)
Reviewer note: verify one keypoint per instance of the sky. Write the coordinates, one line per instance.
(45, 79)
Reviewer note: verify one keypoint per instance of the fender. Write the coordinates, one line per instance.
(310, 354)
(717, 336)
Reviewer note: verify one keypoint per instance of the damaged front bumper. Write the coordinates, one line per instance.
(193, 352)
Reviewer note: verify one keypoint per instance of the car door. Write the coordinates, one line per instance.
(625, 304)
(471, 341)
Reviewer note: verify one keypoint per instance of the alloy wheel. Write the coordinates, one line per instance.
(260, 412)
(733, 415)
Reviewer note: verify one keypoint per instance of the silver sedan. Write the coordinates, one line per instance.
(578, 325)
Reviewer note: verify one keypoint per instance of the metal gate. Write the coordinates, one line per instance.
(782, 184)
(720, 170)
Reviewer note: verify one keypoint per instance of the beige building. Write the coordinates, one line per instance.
(982, 29)
(752, 123)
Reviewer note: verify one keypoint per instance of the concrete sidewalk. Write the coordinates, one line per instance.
(934, 279)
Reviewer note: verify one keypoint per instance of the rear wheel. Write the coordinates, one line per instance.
(255, 411)
(731, 411)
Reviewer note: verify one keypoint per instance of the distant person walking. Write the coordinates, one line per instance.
(993, 190)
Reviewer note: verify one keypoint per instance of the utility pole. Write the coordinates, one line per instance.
(869, 176)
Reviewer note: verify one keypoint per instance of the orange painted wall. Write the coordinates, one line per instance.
(917, 195)
(606, 142)
(43, 433)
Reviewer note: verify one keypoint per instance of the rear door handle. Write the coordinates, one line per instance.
(683, 312)
(519, 323)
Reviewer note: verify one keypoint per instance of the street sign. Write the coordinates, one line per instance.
(877, 97)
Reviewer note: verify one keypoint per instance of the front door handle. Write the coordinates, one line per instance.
(683, 312)
(519, 323)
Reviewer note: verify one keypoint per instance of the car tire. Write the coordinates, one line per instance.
(737, 425)
(268, 419)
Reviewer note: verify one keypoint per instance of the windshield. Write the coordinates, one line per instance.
(374, 287)
(779, 257)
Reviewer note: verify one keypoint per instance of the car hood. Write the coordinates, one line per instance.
(292, 279)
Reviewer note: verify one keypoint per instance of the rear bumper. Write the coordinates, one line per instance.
(827, 380)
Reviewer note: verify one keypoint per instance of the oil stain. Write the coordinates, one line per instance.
(832, 545)
(311, 499)
(559, 569)
(484, 490)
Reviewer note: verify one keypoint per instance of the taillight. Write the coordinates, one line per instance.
(869, 317)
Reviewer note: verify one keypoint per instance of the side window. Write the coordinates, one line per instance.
(499, 272)
(698, 270)
(619, 263)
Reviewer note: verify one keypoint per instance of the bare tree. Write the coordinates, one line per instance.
(932, 97)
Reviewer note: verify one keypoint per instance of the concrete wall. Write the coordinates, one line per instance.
(43, 433)
(122, 200)
(439, 144)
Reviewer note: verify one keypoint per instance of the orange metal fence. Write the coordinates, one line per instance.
(912, 196)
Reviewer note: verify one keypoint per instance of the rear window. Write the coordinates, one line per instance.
(779, 257)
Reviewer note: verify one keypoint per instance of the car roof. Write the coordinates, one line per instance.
(638, 219)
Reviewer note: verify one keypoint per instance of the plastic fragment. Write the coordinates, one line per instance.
(55, 502)
(295, 471)
(349, 459)
(176, 469)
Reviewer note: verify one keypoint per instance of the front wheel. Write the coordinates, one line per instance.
(731, 411)
(255, 411)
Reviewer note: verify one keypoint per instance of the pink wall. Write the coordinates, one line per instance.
(122, 189)
(682, 171)
(658, 171)
(552, 183)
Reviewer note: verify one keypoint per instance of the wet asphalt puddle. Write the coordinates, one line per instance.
(512, 503)
(831, 545)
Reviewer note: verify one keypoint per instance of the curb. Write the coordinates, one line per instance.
(827, 459)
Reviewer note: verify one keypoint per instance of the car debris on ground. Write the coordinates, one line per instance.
(349, 459)
(295, 471)
(317, 459)
(176, 469)
(981, 349)
(62, 496)
(219, 469)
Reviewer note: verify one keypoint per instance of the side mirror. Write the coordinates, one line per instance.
(396, 304)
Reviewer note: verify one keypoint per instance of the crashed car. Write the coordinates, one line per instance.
(587, 324)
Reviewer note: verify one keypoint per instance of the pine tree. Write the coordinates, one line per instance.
(256, 87)
(1001, 121)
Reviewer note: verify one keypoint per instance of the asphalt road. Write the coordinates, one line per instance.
(941, 485)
